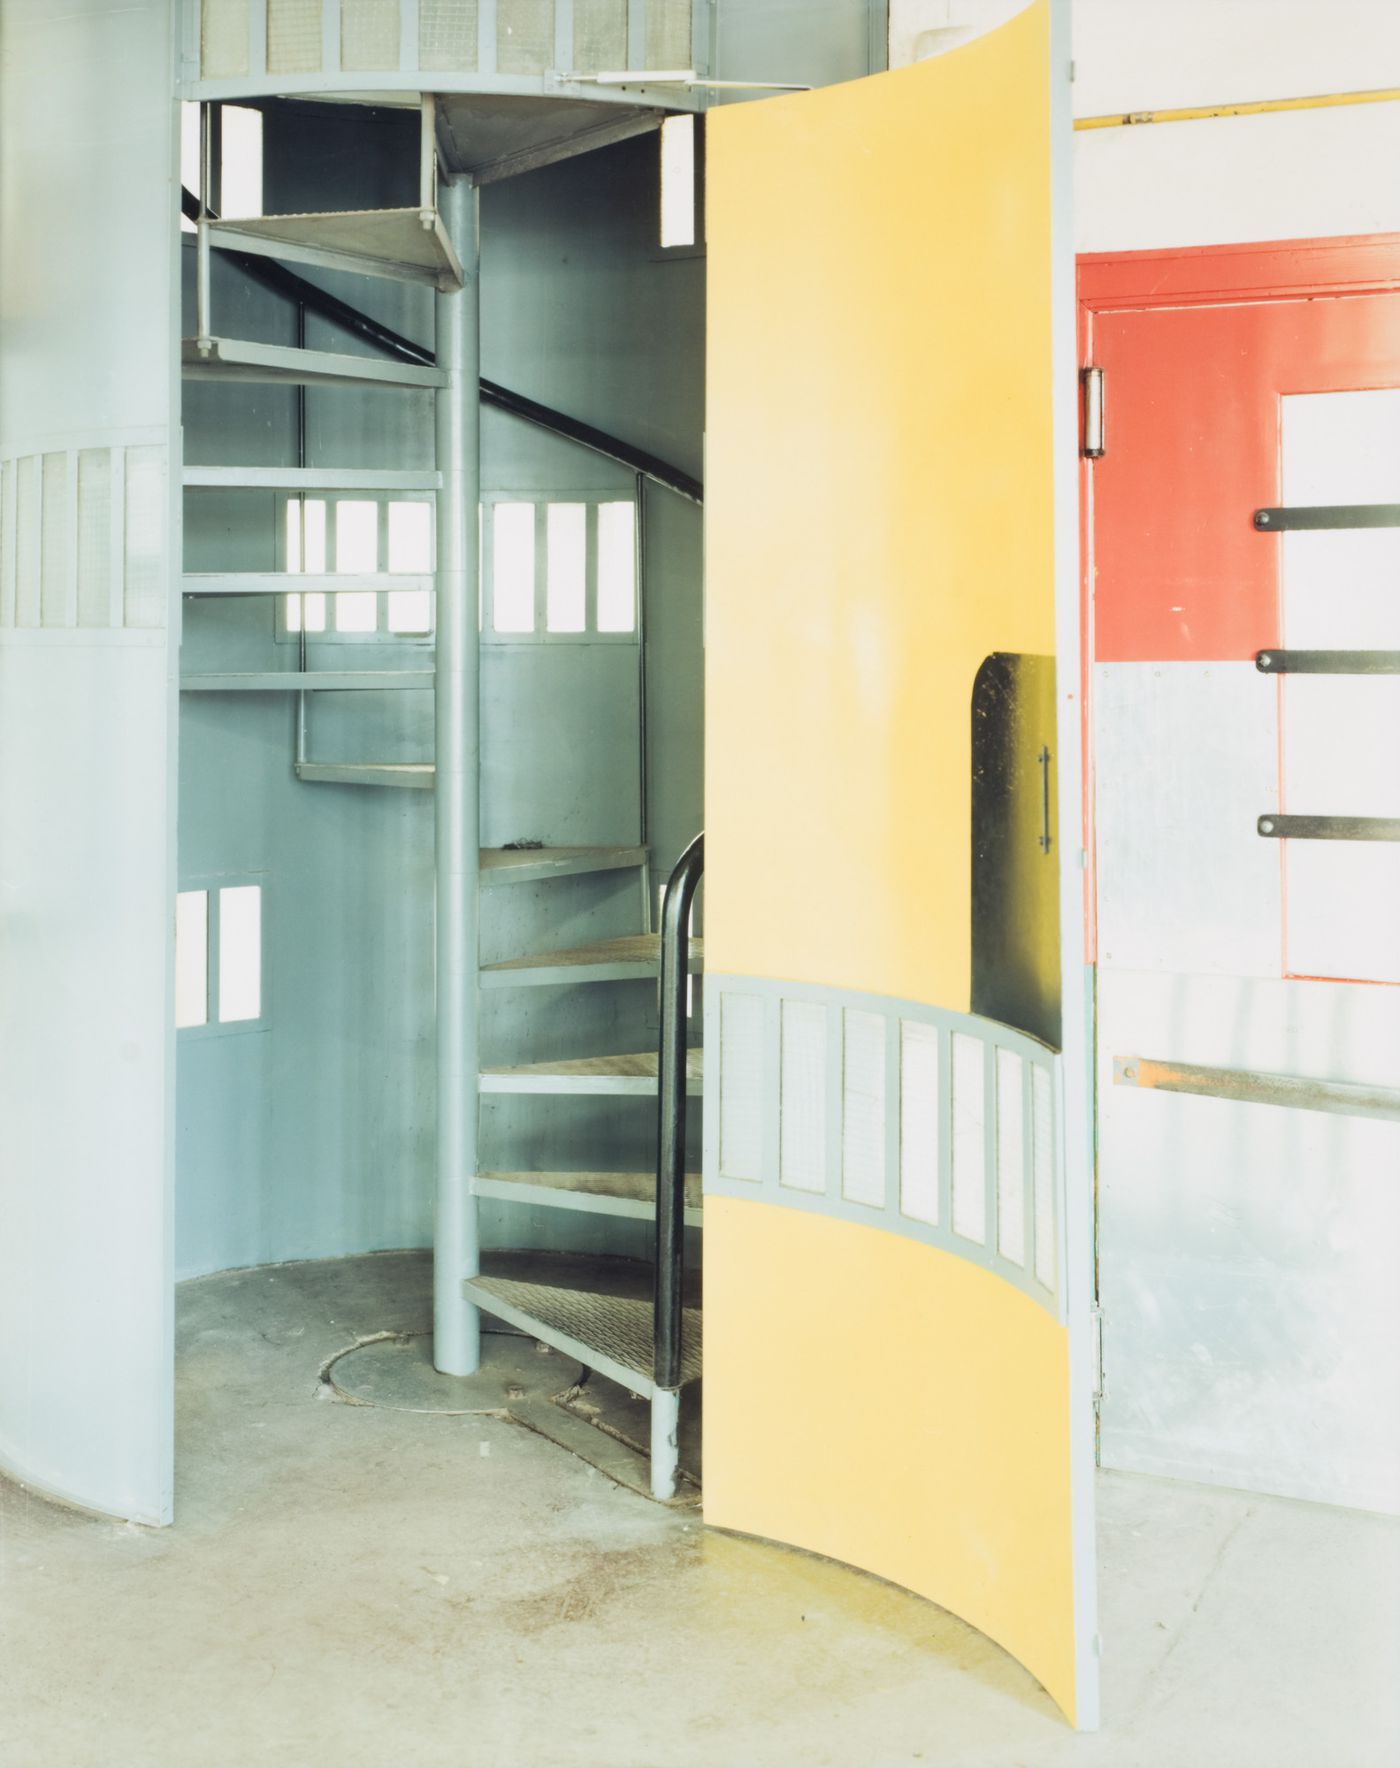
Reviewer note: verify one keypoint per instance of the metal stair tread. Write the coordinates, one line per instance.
(610, 1333)
(609, 1193)
(511, 865)
(240, 359)
(393, 243)
(632, 955)
(285, 681)
(416, 774)
(631, 1074)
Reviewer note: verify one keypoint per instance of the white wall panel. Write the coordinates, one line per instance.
(1247, 1252)
(1186, 761)
(87, 358)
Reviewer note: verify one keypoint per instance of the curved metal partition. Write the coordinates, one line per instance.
(897, 1267)
(512, 48)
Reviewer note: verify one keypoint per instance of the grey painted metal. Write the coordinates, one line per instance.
(297, 582)
(635, 957)
(304, 479)
(671, 1118)
(589, 1076)
(290, 681)
(393, 243)
(1330, 828)
(238, 359)
(88, 752)
(413, 775)
(456, 1235)
(1347, 1098)
(665, 1442)
(1328, 662)
(768, 1186)
(1328, 515)
(529, 865)
(532, 1191)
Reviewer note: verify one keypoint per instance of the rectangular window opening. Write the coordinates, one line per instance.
(191, 958)
(513, 567)
(678, 181)
(566, 532)
(240, 953)
(410, 537)
(617, 567)
(240, 163)
(189, 157)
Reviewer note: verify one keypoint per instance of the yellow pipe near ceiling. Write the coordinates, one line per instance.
(1258, 107)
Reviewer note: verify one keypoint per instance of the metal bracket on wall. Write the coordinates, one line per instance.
(1328, 662)
(1328, 515)
(1248, 1087)
(1330, 828)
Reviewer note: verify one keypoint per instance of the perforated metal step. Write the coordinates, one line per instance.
(405, 245)
(616, 1194)
(609, 1333)
(239, 359)
(605, 960)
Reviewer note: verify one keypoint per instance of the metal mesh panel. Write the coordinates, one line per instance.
(969, 1138)
(447, 35)
(524, 36)
(145, 549)
(27, 532)
(53, 561)
(1011, 1158)
(293, 36)
(600, 36)
(863, 1108)
(94, 537)
(802, 1163)
(919, 1117)
(223, 38)
(741, 1086)
(1043, 1177)
(369, 35)
(618, 1326)
(668, 34)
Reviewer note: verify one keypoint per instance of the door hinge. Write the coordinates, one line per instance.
(1096, 1328)
(1091, 390)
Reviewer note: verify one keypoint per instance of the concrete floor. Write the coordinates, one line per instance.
(350, 1586)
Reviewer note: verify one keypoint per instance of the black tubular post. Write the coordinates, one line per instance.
(670, 1153)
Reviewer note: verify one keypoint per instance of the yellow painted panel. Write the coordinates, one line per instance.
(893, 1406)
(878, 501)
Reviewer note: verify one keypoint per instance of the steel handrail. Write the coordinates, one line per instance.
(671, 1110)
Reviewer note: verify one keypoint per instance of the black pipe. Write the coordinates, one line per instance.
(670, 1152)
(286, 282)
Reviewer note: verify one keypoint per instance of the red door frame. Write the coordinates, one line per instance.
(1198, 276)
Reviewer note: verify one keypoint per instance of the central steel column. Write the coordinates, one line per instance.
(456, 1248)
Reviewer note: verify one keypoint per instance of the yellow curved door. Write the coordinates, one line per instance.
(897, 1203)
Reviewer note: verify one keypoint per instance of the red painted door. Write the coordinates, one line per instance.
(1246, 1308)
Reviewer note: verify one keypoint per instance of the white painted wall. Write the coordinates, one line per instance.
(87, 653)
(1287, 175)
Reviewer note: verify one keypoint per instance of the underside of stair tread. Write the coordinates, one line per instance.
(640, 949)
(526, 864)
(631, 1187)
(641, 1066)
(417, 774)
(242, 359)
(376, 242)
(611, 1333)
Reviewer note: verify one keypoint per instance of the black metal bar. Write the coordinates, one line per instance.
(1328, 515)
(296, 288)
(638, 459)
(1330, 828)
(671, 1102)
(1328, 662)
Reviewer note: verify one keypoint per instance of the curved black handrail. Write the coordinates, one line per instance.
(670, 1151)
